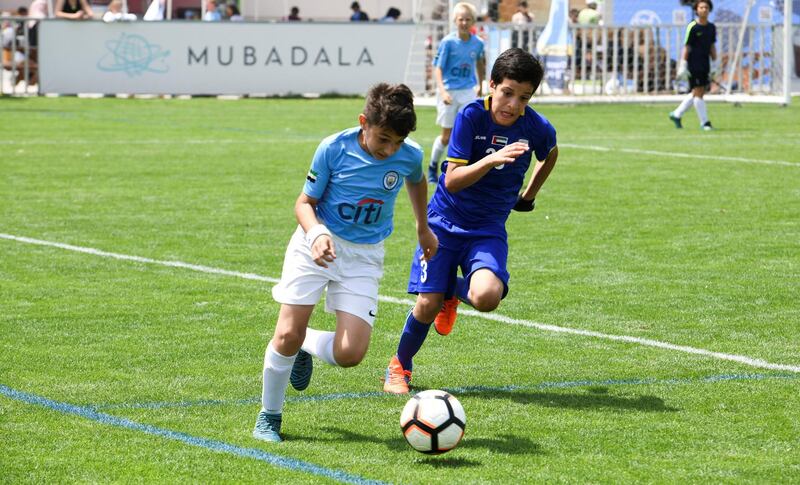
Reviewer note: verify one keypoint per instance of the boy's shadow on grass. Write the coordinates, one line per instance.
(596, 398)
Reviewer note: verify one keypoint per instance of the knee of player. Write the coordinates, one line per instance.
(485, 301)
(427, 308)
(348, 358)
(288, 338)
(445, 139)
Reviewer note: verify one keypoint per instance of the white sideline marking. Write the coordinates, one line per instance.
(638, 151)
(486, 316)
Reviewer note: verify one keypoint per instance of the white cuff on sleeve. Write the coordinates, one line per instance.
(316, 232)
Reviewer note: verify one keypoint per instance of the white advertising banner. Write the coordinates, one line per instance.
(220, 58)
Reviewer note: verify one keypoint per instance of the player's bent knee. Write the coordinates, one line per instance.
(288, 339)
(348, 358)
(485, 302)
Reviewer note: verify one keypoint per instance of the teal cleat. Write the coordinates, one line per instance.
(301, 370)
(268, 427)
(675, 120)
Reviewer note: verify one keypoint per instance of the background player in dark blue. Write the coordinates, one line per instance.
(493, 144)
(699, 41)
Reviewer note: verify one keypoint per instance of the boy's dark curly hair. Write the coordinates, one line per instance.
(391, 106)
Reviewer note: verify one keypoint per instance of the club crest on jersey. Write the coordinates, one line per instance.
(499, 140)
(312, 176)
(390, 180)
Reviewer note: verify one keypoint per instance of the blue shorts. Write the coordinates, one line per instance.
(468, 249)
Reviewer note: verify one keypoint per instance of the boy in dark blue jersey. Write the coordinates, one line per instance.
(493, 144)
(699, 45)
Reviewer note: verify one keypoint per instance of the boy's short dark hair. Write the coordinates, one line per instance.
(518, 65)
(698, 2)
(391, 106)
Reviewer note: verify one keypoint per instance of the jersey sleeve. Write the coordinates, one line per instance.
(687, 39)
(713, 34)
(543, 149)
(416, 176)
(441, 55)
(319, 173)
(460, 148)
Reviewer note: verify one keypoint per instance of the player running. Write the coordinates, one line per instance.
(459, 58)
(345, 212)
(699, 45)
(494, 141)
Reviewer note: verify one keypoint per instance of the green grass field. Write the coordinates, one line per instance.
(652, 331)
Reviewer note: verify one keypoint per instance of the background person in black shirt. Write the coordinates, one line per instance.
(699, 45)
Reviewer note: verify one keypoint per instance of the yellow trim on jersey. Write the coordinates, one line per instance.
(457, 160)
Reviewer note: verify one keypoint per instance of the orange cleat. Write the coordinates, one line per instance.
(396, 379)
(446, 318)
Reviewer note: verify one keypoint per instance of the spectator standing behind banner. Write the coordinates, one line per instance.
(232, 13)
(391, 15)
(294, 15)
(212, 14)
(115, 13)
(521, 19)
(358, 14)
(73, 9)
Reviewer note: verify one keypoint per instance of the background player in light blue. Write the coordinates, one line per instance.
(344, 212)
(494, 140)
(458, 70)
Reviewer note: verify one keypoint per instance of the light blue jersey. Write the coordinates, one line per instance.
(457, 59)
(357, 192)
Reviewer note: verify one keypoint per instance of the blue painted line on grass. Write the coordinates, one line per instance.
(460, 390)
(213, 445)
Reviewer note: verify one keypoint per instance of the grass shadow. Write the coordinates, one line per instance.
(596, 398)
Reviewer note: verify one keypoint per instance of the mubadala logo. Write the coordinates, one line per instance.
(293, 56)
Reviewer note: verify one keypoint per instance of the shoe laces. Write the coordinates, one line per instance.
(266, 423)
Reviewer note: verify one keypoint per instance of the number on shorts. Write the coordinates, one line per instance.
(424, 266)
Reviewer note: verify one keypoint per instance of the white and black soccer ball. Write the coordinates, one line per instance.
(433, 422)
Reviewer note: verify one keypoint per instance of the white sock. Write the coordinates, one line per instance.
(320, 345)
(700, 107)
(277, 368)
(685, 104)
(436, 152)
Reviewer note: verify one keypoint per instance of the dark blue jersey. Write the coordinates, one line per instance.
(487, 202)
(699, 40)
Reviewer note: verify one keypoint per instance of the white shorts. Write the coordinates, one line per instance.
(351, 279)
(446, 113)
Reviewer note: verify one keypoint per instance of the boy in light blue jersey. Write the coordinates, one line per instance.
(458, 71)
(344, 212)
(494, 142)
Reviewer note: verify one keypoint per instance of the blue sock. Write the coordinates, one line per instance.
(411, 340)
(462, 290)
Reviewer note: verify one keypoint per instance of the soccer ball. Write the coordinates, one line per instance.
(433, 422)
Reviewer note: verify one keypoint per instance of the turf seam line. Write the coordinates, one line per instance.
(638, 151)
(458, 390)
(213, 445)
(496, 317)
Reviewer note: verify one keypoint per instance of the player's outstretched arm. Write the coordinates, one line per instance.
(418, 193)
(317, 235)
(460, 176)
(540, 173)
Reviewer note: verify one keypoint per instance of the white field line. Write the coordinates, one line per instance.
(598, 148)
(406, 302)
